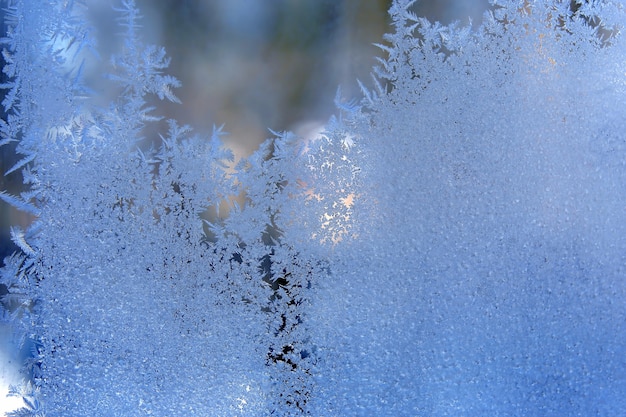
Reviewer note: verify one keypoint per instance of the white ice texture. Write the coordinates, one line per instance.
(452, 245)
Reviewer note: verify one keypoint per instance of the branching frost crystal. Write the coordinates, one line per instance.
(454, 245)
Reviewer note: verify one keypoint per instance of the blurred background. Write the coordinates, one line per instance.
(251, 65)
(255, 65)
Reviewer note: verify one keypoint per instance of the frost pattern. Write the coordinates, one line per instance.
(453, 245)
